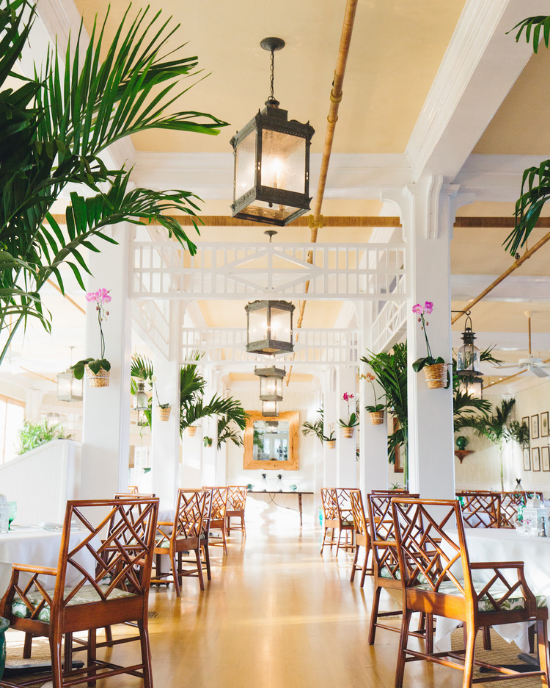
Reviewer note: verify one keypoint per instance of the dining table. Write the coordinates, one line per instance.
(38, 546)
(502, 544)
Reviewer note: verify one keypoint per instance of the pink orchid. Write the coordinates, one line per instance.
(417, 308)
(346, 396)
(428, 307)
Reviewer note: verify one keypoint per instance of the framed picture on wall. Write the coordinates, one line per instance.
(544, 424)
(535, 427)
(525, 420)
(545, 458)
(527, 459)
(535, 457)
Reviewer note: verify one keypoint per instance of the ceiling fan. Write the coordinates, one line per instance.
(531, 364)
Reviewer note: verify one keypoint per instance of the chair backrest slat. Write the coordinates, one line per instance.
(343, 505)
(480, 509)
(358, 513)
(219, 497)
(190, 512)
(329, 502)
(236, 498)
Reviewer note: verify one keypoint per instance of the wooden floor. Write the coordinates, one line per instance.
(275, 615)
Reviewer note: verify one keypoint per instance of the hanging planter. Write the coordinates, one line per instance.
(331, 444)
(436, 375)
(377, 417)
(163, 413)
(353, 419)
(99, 379)
(435, 369)
(191, 431)
(348, 432)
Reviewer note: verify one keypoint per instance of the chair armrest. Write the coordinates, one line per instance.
(41, 570)
(165, 523)
(385, 543)
(530, 599)
(497, 564)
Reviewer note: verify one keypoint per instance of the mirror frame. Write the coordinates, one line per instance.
(249, 464)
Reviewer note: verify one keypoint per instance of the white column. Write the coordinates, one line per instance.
(427, 216)
(106, 417)
(330, 422)
(373, 439)
(346, 448)
(33, 402)
(191, 462)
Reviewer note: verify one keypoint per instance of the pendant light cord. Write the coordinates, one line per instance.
(272, 97)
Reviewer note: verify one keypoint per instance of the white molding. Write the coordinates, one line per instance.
(495, 177)
(518, 289)
(480, 66)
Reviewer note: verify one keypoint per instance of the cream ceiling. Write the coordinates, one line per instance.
(395, 53)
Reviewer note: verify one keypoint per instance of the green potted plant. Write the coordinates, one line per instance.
(330, 440)
(33, 435)
(352, 421)
(375, 411)
(98, 369)
(207, 441)
(435, 369)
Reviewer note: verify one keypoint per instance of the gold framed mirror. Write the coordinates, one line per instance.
(271, 443)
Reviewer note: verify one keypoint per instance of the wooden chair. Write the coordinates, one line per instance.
(236, 502)
(133, 489)
(330, 516)
(218, 514)
(362, 536)
(387, 574)
(480, 509)
(185, 536)
(116, 591)
(509, 506)
(430, 561)
(345, 518)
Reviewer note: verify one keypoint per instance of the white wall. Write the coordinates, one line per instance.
(42, 480)
(297, 397)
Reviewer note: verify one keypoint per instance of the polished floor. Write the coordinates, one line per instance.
(275, 615)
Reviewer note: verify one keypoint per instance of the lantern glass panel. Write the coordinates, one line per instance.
(468, 357)
(244, 164)
(269, 409)
(280, 325)
(64, 386)
(283, 164)
(271, 387)
(472, 386)
(257, 325)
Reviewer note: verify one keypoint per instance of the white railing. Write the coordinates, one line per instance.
(311, 346)
(153, 318)
(247, 270)
(389, 326)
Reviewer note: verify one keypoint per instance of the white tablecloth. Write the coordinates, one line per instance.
(39, 547)
(502, 544)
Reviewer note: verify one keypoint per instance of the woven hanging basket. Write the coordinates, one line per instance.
(331, 444)
(99, 380)
(377, 417)
(436, 375)
(191, 431)
(163, 414)
(348, 432)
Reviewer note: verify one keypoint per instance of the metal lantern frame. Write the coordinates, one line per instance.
(271, 376)
(269, 346)
(68, 387)
(270, 119)
(471, 379)
(270, 409)
(142, 400)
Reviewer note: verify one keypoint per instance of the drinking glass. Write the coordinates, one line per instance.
(12, 512)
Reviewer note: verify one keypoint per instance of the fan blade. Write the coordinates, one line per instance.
(510, 365)
(539, 372)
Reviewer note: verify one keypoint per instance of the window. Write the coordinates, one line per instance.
(12, 415)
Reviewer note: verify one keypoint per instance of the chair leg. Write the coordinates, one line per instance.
(175, 576)
(471, 632)
(542, 641)
(429, 633)
(374, 615)
(207, 560)
(331, 538)
(365, 564)
(228, 521)
(531, 638)
(224, 540)
(354, 564)
(68, 653)
(324, 540)
(338, 544)
(91, 652)
(145, 654)
(199, 567)
(487, 638)
(243, 525)
(400, 669)
(27, 647)
(57, 666)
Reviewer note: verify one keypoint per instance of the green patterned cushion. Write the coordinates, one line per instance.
(85, 595)
(385, 573)
(516, 601)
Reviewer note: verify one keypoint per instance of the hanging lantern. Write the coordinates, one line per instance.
(270, 409)
(271, 383)
(468, 361)
(271, 177)
(141, 402)
(269, 327)
(68, 387)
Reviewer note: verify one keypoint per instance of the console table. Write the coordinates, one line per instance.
(273, 493)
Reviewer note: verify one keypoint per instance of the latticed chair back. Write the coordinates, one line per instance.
(133, 489)
(480, 509)
(509, 506)
(189, 514)
(358, 513)
(343, 505)
(219, 496)
(529, 495)
(236, 499)
(329, 502)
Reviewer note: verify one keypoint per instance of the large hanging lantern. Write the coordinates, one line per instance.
(271, 177)
(270, 409)
(68, 387)
(269, 327)
(271, 383)
(141, 401)
(468, 361)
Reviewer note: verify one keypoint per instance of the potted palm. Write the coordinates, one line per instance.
(376, 410)
(352, 421)
(435, 369)
(97, 369)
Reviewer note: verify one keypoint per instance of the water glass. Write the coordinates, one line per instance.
(12, 512)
